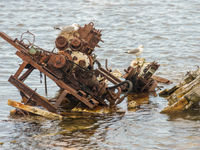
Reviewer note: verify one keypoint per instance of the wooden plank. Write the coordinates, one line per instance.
(60, 83)
(176, 107)
(34, 96)
(161, 79)
(34, 110)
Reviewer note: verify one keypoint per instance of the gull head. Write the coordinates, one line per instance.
(76, 26)
(141, 46)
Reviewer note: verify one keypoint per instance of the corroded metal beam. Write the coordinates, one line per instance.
(59, 82)
(31, 93)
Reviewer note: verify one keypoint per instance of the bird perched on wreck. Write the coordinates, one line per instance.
(70, 28)
(136, 51)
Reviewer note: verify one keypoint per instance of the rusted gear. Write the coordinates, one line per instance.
(61, 43)
(57, 61)
(74, 58)
(75, 44)
(82, 63)
(80, 58)
(66, 54)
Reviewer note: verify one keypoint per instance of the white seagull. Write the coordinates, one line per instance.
(136, 51)
(68, 29)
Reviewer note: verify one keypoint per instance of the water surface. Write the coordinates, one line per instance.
(170, 33)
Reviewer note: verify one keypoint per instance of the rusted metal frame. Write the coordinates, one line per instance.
(29, 92)
(26, 74)
(60, 83)
(21, 68)
(107, 77)
(87, 91)
(30, 96)
(24, 97)
(61, 97)
(109, 74)
(75, 93)
(94, 97)
(23, 78)
(12, 42)
(147, 85)
(106, 66)
(92, 100)
(51, 73)
(120, 99)
(45, 84)
(115, 95)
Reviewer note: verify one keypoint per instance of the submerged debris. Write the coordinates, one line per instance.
(185, 95)
(72, 68)
(140, 73)
(135, 100)
(34, 110)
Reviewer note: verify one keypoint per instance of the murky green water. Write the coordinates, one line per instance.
(170, 33)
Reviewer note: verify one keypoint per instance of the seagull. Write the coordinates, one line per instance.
(76, 26)
(136, 51)
(68, 29)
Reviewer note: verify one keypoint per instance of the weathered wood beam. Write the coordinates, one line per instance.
(161, 79)
(34, 110)
(176, 107)
(185, 95)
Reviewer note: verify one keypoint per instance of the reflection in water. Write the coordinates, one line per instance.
(193, 115)
(37, 132)
(135, 100)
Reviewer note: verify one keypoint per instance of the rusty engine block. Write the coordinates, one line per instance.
(72, 68)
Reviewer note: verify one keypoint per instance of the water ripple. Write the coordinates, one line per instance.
(169, 31)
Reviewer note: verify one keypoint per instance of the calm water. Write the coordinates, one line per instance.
(170, 33)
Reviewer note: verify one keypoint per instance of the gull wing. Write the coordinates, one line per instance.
(133, 51)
